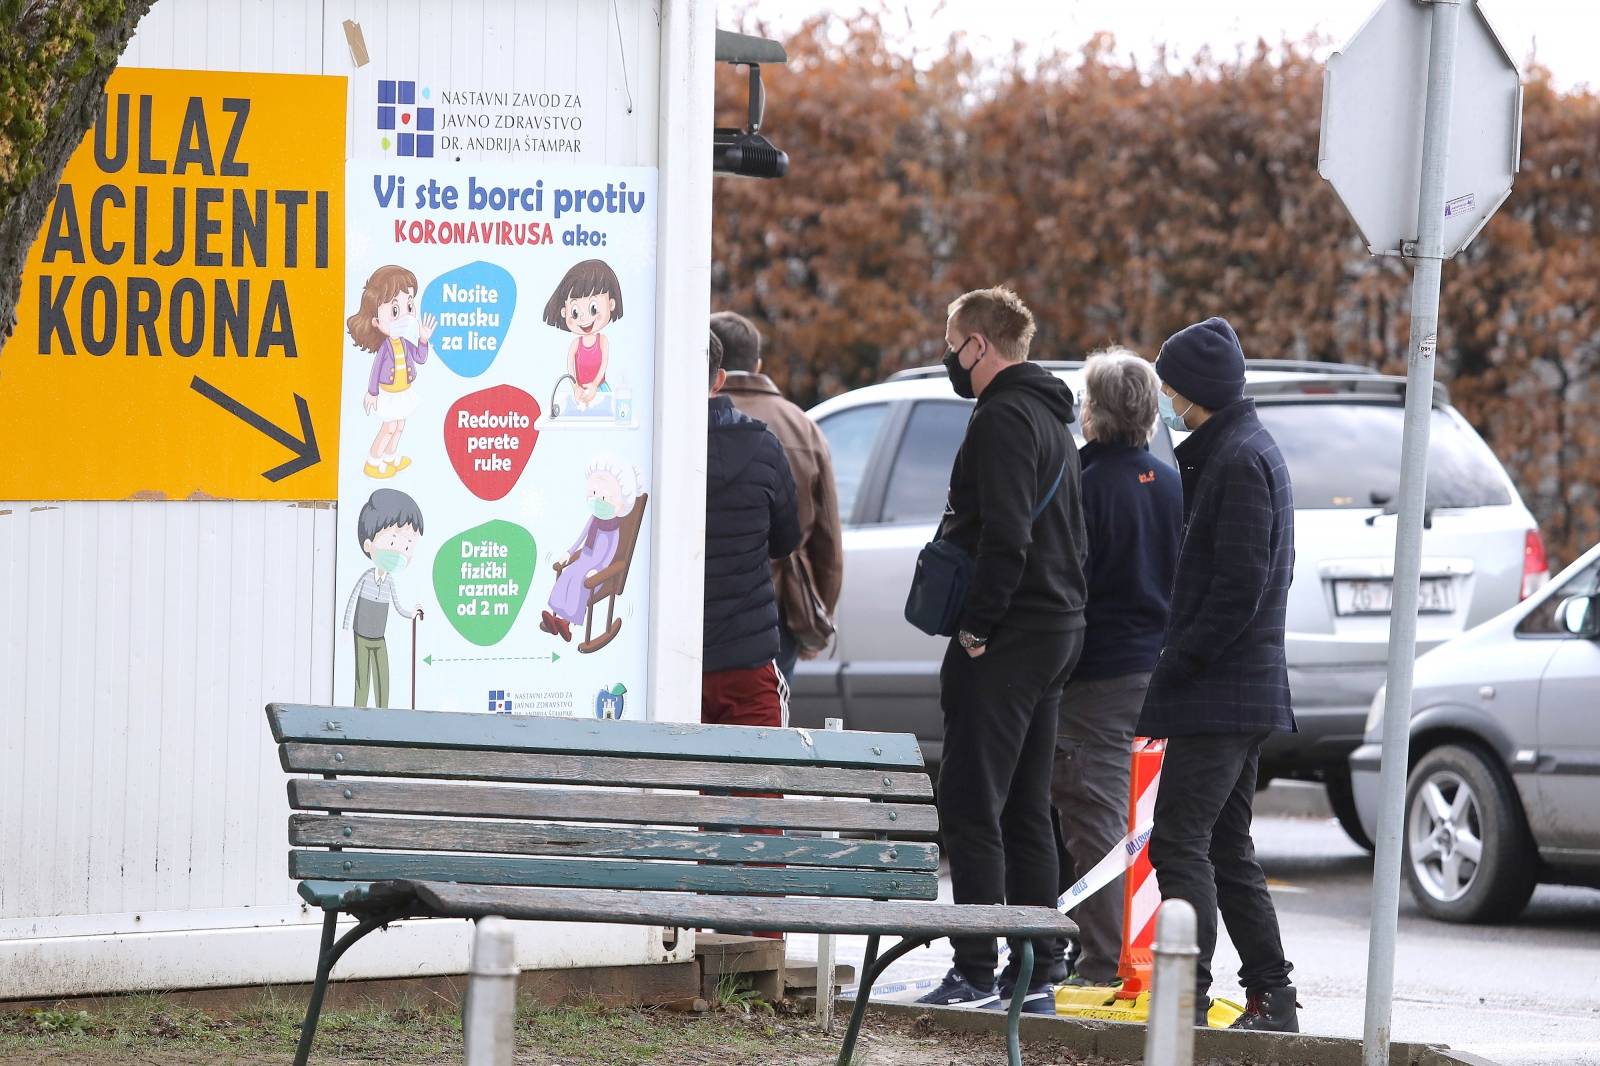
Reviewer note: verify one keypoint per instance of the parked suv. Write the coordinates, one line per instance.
(1339, 429)
(1504, 782)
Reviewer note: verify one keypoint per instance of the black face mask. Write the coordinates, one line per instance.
(960, 376)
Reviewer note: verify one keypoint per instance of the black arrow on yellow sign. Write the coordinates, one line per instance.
(304, 446)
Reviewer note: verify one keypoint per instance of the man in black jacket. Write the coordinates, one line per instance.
(1221, 686)
(751, 519)
(1015, 507)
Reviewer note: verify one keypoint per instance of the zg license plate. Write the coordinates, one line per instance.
(1377, 597)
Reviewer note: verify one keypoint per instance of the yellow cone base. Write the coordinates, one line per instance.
(1102, 1004)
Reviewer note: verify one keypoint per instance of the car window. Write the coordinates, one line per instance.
(851, 434)
(919, 480)
(1348, 455)
(1542, 621)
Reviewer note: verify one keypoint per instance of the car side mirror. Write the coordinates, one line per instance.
(1580, 616)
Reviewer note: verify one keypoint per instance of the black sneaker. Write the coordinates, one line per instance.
(1271, 1010)
(956, 991)
(1202, 1013)
(1039, 999)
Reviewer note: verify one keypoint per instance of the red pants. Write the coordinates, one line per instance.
(753, 696)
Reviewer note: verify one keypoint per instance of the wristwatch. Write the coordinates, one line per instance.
(970, 641)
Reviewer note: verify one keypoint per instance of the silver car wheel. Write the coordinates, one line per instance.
(1445, 834)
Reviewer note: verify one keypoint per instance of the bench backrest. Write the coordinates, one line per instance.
(440, 796)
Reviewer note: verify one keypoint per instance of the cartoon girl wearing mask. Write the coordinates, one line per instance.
(387, 326)
(585, 302)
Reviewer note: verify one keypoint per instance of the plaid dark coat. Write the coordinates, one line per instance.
(1222, 666)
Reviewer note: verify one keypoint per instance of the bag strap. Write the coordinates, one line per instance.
(1039, 510)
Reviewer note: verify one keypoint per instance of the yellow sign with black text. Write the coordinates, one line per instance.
(178, 333)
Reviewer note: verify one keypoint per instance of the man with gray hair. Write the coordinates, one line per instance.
(1133, 511)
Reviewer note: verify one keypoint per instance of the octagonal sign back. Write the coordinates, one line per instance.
(1373, 96)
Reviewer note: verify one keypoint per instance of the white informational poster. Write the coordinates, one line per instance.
(496, 437)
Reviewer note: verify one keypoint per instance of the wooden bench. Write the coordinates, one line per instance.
(455, 833)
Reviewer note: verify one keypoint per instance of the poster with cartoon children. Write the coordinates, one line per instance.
(388, 528)
(535, 573)
(387, 325)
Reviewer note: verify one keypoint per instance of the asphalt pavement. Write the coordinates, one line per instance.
(1526, 994)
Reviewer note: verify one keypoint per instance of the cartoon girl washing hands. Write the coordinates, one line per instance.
(586, 301)
(387, 326)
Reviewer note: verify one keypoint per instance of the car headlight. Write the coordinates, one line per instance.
(1375, 712)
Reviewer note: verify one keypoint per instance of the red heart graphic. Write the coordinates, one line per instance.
(405, 117)
(489, 437)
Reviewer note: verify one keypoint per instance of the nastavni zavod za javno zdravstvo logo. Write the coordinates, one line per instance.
(400, 117)
(499, 701)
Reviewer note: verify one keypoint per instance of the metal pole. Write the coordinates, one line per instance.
(1169, 1040)
(1427, 255)
(825, 952)
(488, 1023)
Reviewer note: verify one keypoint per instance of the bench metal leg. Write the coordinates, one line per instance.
(871, 967)
(326, 957)
(1014, 1015)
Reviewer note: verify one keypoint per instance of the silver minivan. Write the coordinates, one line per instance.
(1339, 430)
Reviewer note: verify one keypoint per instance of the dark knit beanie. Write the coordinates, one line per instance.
(1204, 363)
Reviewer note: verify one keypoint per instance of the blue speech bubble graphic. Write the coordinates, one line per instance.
(474, 305)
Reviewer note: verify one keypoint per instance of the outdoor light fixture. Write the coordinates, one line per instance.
(746, 151)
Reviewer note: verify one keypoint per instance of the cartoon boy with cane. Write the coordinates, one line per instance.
(389, 526)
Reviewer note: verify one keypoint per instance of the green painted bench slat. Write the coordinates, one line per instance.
(588, 736)
(624, 875)
(611, 771)
(452, 835)
(449, 799)
(340, 894)
(713, 912)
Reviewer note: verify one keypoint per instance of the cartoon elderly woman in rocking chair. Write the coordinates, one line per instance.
(596, 566)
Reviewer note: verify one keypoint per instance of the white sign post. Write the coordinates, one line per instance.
(1422, 158)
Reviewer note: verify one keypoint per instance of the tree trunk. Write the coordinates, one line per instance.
(55, 56)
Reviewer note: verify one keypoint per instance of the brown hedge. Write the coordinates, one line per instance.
(1124, 202)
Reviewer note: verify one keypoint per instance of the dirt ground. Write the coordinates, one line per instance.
(148, 1030)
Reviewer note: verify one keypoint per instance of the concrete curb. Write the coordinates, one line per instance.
(1121, 1041)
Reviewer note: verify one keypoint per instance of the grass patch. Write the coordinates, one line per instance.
(735, 993)
(157, 1029)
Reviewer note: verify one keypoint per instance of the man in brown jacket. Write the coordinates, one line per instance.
(808, 581)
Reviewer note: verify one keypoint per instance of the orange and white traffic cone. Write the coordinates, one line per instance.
(1131, 1001)
(1140, 895)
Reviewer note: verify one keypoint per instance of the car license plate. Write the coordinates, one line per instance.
(1376, 597)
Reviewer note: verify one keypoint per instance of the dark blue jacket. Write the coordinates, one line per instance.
(1133, 506)
(1222, 667)
(750, 520)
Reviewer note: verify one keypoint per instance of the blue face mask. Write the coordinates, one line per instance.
(603, 509)
(1170, 415)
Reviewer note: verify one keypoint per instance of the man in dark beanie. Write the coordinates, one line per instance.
(1221, 686)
